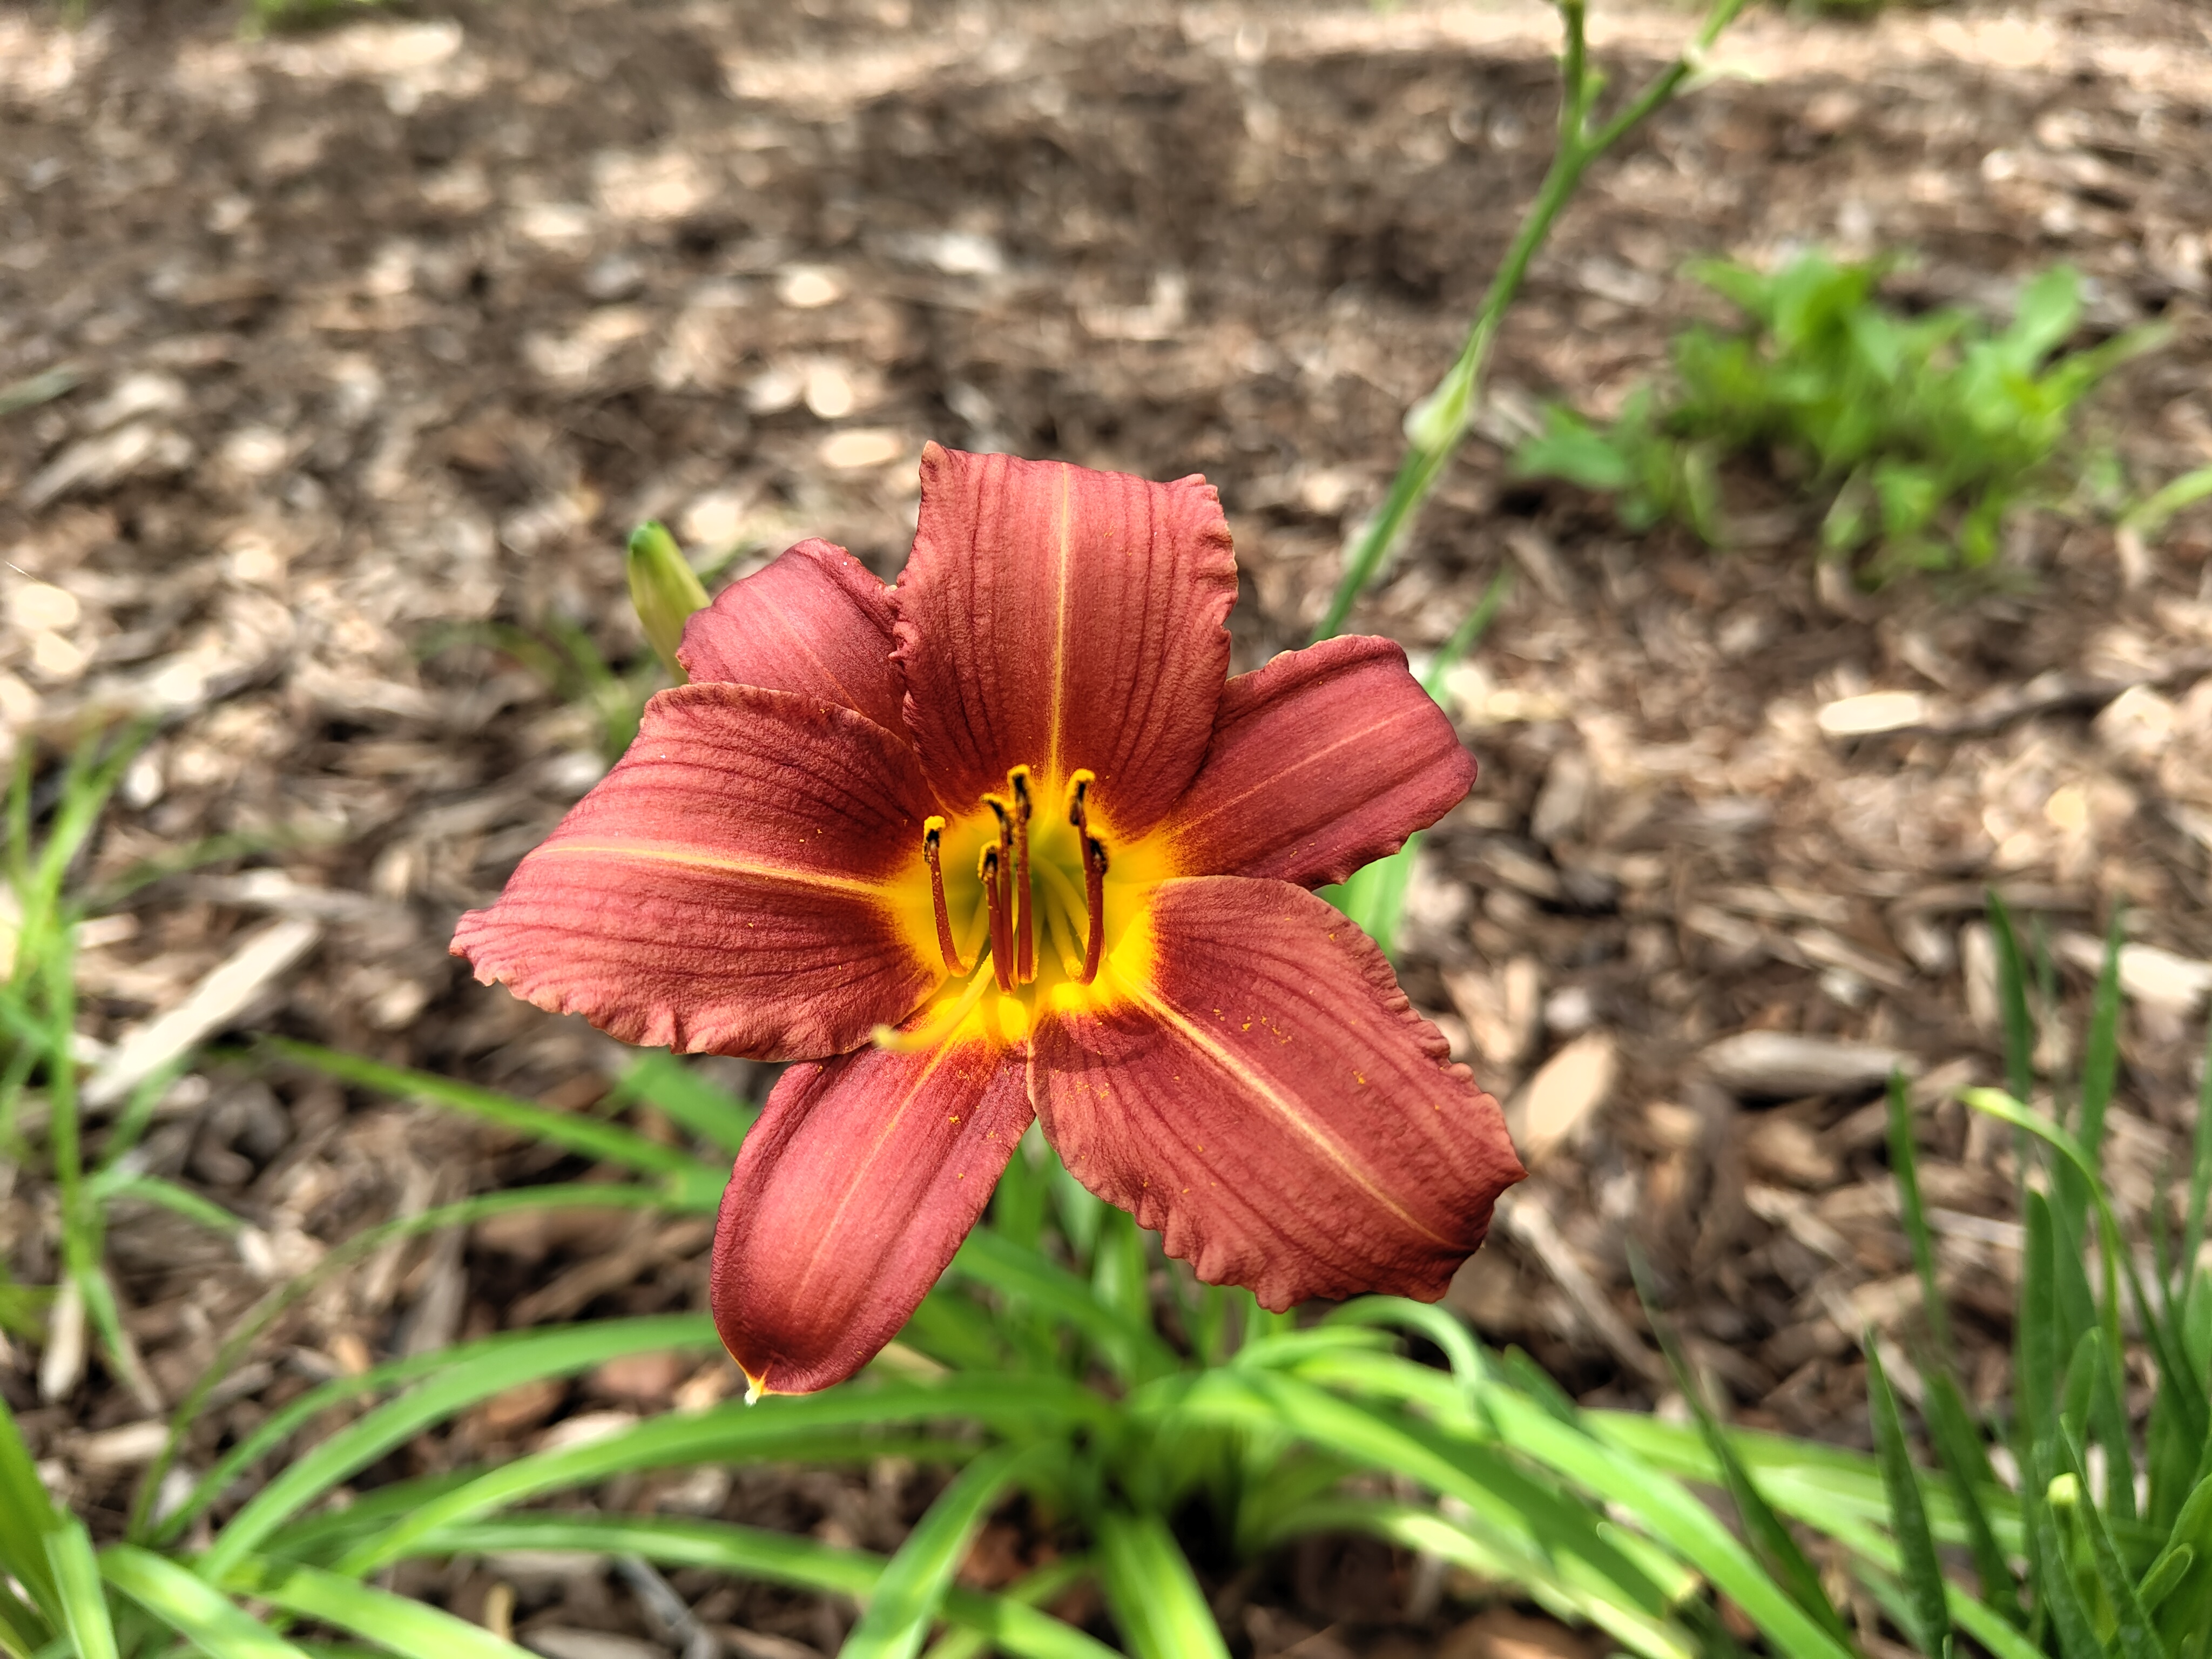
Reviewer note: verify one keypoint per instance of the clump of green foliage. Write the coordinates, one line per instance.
(1063, 1359)
(1920, 432)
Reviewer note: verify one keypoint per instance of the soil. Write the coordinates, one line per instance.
(346, 360)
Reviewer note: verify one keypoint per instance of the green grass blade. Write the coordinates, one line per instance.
(906, 1597)
(2056, 1596)
(1773, 1540)
(178, 1200)
(1967, 1470)
(24, 1629)
(1670, 1513)
(394, 1623)
(1492, 1558)
(493, 1369)
(2148, 516)
(660, 1079)
(2012, 999)
(2200, 1180)
(1375, 896)
(591, 1137)
(2035, 1338)
(1032, 1589)
(209, 1620)
(2132, 1624)
(2176, 1371)
(235, 1346)
(681, 1331)
(1924, 1572)
(1439, 1326)
(778, 1558)
(82, 1608)
(2101, 1048)
(27, 1515)
(1905, 1170)
(1134, 1350)
(1157, 1604)
(1447, 1449)
(2186, 1605)
(734, 1432)
(2164, 1577)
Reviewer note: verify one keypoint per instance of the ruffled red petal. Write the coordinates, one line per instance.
(1322, 761)
(815, 621)
(1270, 1102)
(1056, 618)
(742, 882)
(849, 1196)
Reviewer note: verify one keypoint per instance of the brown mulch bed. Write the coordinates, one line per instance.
(382, 337)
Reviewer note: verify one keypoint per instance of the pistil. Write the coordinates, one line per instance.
(1013, 811)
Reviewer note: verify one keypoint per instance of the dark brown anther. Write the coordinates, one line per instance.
(933, 853)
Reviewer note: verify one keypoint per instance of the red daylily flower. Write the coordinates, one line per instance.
(1002, 841)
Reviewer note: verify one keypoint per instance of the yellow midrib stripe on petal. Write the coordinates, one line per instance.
(1306, 761)
(1056, 767)
(695, 858)
(826, 1239)
(1204, 1042)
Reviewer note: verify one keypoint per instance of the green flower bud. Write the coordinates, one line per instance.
(665, 589)
(2065, 1492)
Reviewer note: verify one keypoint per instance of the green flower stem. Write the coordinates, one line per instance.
(1435, 426)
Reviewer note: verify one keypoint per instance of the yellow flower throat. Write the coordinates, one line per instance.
(1030, 906)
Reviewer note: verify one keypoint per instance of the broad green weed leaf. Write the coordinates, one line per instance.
(2050, 307)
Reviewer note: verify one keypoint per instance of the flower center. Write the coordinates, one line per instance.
(1025, 891)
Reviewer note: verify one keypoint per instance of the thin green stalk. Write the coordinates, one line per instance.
(1435, 426)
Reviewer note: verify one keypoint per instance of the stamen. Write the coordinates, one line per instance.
(1017, 779)
(1094, 871)
(995, 893)
(1093, 904)
(933, 837)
